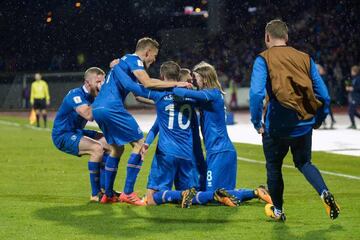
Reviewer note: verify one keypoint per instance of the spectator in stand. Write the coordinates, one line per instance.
(354, 95)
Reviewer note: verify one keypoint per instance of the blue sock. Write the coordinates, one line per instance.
(111, 167)
(203, 197)
(133, 168)
(94, 170)
(102, 170)
(243, 194)
(167, 197)
(314, 177)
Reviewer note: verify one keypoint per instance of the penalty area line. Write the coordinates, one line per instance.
(292, 167)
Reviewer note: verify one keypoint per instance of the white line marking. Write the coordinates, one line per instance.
(7, 123)
(292, 167)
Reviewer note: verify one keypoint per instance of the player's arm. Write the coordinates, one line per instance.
(85, 111)
(200, 96)
(149, 138)
(144, 100)
(257, 92)
(321, 94)
(148, 82)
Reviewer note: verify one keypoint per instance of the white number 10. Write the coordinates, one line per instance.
(183, 108)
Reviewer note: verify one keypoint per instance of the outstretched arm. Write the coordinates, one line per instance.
(201, 95)
(148, 82)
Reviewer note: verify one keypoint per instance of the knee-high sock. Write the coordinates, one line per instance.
(94, 170)
(38, 120)
(45, 119)
(102, 170)
(167, 197)
(203, 197)
(133, 168)
(314, 177)
(243, 194)
(111, 167)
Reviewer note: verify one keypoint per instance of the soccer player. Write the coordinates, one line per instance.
(298, 101)
(221, 158)
(68, 132)
(118, 125)
(40, 98)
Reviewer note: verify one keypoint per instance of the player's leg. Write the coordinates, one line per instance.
(37, 111)
(94, 149)
(44, 115)
(301, 151)
(275, 149)
(111, 167)
(100, 137)
(352, 112)
(133, 166)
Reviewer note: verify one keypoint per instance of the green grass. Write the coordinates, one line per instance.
(44, 195)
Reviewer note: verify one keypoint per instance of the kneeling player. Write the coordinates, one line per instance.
(68, 133)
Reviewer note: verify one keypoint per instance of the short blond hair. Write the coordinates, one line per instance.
(209, 75)
(355, 69)
(145, 42)
(277, 29)
(96, 70)
(170, 70)
(184, 72)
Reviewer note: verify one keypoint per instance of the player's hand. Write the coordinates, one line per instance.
(184, 84)
(144, 150)
(260, 130)
(114, 62)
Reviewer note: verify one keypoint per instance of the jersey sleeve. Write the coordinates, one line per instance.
(152, 133)
(76, 99)
(201, 95)
(133, 62)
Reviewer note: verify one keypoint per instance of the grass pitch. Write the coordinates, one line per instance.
(44, 194)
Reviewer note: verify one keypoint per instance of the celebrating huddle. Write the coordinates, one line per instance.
(178, 161)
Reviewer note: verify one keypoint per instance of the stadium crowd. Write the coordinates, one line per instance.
(324, 29)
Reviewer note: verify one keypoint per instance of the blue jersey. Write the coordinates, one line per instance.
(67, 119)
(212, 118)
(113, 92)
(174, 122)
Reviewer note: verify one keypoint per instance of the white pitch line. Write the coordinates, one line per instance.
(7, 123)
(292, 167)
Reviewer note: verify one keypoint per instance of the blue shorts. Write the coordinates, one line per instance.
(167, 170)
(118, 126)
(221, 172)
(69, 141)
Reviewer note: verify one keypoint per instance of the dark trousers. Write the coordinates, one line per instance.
(353, 112)
(275, 149)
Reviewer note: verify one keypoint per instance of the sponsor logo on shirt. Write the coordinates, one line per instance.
(77, 99)
(140, 63)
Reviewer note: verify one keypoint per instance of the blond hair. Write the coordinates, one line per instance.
(184, 72)
(96, 70)
(146, 42)
(209, 75)
(170, 70)
(277, 29)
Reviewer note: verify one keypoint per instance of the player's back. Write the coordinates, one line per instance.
(213, 123)
(67, 119)
(112, 92)
(174, 119)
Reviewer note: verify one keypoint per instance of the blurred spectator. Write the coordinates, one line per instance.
(322, 73)
(354, 95)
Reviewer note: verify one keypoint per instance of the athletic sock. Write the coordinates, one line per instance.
(133, 168)
(94, 170)
(102, 170)
(203, 197)
(314, 177)
(167, 197)
(45, 119)
(243, 194)
(38, 120)
(111, 167)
